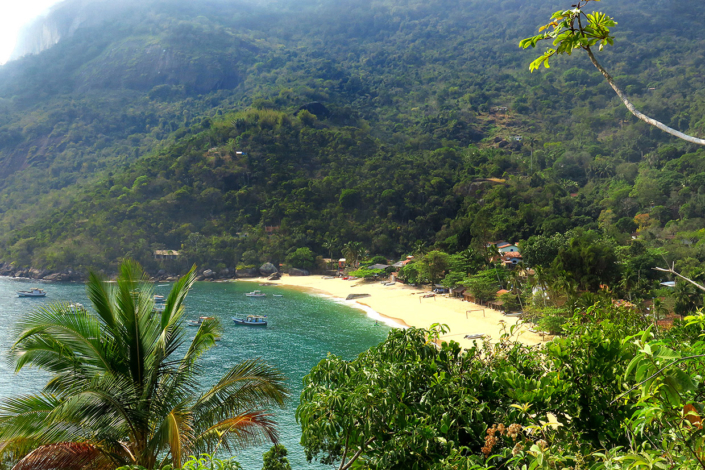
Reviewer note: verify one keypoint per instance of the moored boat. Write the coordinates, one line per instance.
(256, 293)
(33, 292)
(251, 320)
(199, 321)
(77, 308)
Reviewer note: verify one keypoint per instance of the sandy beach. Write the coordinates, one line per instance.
(403, 305)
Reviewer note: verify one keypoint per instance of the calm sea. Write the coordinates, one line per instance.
(302, 330)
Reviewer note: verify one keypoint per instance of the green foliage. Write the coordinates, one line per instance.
(367, 274)
(275, 459)
(571, 30)
(433, 265)
(302, 258)
(485, 284)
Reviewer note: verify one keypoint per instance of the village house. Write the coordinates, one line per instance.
(511, 258)
(166, 255)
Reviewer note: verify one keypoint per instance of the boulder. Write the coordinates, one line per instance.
(267, 268)
(274, 277)
(298, 272)
(248, 272)
(208, 274)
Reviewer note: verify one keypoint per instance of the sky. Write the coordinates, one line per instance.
(13, 15)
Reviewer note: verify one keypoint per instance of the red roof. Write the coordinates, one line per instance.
(512, 254)
(503, 245)
(502, 291)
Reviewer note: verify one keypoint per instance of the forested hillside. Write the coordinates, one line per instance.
(177, 125)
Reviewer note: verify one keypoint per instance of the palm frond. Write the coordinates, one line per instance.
(65, 456)
(249, 385)
(48, 329)
(174, 433)
(237, 432)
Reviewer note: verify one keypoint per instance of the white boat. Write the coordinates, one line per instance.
(256, 293)
(277, 295)
(251, 320)
(77, 308)
(33, 292)
(199, 321)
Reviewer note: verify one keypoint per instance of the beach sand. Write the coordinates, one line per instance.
(404, 306)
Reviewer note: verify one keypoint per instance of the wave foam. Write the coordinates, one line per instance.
(373, 314)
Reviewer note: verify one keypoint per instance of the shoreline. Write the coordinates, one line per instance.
(401, 306)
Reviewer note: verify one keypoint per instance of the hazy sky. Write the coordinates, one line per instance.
(13, 15)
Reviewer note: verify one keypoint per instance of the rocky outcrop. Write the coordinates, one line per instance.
(298, 272)
(267, 268)
(208, 274)
(274, 277)
(248, 272)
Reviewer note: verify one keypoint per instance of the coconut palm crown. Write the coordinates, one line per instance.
(125, 385)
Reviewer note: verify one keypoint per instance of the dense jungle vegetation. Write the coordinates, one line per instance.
(124, 138)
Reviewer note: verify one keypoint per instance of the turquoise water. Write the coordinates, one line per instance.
(302, 330)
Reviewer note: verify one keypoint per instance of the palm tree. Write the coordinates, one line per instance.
(124, 385)
(353, 252)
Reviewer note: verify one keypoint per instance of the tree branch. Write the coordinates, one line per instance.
(673, 271)
(357, 454)
(345, 451)
(634, 111)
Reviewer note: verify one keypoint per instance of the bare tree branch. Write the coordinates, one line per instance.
(673, 271)
(636, 112)
(358, 453)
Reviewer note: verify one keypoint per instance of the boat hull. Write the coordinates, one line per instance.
(31, 295)
(246, 323)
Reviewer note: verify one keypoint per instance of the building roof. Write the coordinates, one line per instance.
(511, 254)
(379, 266)
(398, 264)
(502, 291)
(504, 245)
(166, 253)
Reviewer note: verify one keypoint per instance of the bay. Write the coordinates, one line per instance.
(302, 330)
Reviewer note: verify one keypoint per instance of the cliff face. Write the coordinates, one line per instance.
(62, 21)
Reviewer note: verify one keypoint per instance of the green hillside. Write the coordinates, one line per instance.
(124, 138)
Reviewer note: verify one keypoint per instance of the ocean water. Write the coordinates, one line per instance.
(302, 330)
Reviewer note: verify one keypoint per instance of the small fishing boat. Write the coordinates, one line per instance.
(159, 299)
(75, 308)
(256, 293)
(251, 320)
(33, 292)
(199, 321)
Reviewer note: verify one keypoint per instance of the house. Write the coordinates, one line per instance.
(511, 258)
(504, 247)
(166, 255)
(341, 263)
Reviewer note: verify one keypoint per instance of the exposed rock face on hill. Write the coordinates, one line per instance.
(62, 21)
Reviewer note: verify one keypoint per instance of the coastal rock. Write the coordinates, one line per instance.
(208, 274)
(356, 296)
(274, 277)
(298, 272)
(53, 277)
(248, 272)
(267, 268)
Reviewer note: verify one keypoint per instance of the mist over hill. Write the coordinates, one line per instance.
(122, 136)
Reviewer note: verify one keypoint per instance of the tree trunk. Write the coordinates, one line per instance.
(634, 111)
